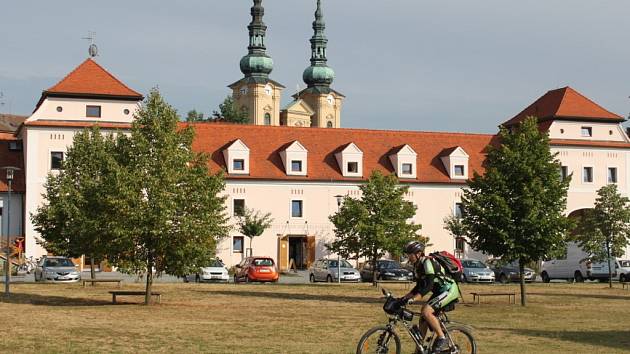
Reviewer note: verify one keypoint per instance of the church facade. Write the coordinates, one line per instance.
(296, 162)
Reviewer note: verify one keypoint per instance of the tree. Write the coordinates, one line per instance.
(377, 223)
(194, 116)
(455, 226)
(229, 112)
(515, 210)
(253, 224)
(604, 231)
(74, 221)
(168, 212)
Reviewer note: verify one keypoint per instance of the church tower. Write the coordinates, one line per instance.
(256, 93)
(323, 100)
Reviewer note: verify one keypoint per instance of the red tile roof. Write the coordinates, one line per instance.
(568, 104)
(11, 122)
(265, 144)
(89, 78)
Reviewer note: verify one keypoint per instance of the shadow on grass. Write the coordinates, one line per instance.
(48, 300)
(586, 296)
(296, 296)
(612, 339)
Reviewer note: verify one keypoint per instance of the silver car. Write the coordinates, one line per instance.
(476, 272)
(57, 269)
(327, 270)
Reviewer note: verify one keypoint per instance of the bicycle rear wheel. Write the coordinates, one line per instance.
(462, 338)
(379, 340)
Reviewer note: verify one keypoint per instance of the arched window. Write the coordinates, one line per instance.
(267, 119)
(329, 124)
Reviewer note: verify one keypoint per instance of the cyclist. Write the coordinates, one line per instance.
(430, 278)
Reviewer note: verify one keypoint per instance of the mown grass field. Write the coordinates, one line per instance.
(321, 318)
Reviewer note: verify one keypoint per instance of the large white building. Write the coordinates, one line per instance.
(290, 163)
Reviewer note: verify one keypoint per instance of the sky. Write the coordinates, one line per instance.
(461, 66)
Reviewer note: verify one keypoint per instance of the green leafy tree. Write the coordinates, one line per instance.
(194, 116)
(604, 231)
(515, 210)
(377, 223)
(229, 112)
(253, 224)
(74, 221)
(168, 212)
(455, 226)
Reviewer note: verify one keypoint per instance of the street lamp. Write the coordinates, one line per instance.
(339, 200)
(7, 266)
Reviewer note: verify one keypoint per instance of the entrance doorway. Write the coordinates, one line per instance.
(298, 251)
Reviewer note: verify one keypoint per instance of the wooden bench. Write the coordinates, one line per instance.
(380, 283)
(134, 293)
(511, 296)
(85, 281)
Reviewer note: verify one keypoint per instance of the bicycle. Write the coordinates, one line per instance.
(382, 339)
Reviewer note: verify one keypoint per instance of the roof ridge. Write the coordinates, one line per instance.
(593, 102)
(67, 75)
(251, 126)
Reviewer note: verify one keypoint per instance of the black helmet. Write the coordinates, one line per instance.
(413, 247)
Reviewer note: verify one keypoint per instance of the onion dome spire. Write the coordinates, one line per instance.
(318, 74)
(257, 62)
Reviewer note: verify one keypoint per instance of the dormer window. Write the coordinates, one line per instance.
(587, 132)
(237, 158)
(455, 162)
(353, 167)
(295, 159)
(93, 111)
(350, 161)
(239, 165)
(404, 161)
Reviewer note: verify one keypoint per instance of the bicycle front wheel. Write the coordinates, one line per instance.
(462, 339)
(379, 340)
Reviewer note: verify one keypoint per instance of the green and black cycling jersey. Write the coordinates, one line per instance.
(431, 278)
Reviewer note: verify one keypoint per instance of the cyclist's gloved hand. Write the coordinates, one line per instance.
(402, 301)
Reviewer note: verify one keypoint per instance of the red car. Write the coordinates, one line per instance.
(261, 269)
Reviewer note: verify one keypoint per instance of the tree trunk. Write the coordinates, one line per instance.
(609, 267)
(92, 272)
(147, 296)
(521, 270)
(251, 251)
(374, 269)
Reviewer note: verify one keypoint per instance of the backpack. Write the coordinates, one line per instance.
(450, 265)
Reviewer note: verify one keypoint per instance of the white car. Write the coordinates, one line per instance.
(214, 272)
(57, 269)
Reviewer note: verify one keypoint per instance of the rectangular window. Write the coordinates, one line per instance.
(459, 210)
(239, 207)
(459, 170)
(93, 111)
(353, 167)
(460, 244)
(587, 132)
(238, 165)
(564, 172)
(587, 175)
(15, 145)
(612, 174)
(296, 166)
(406, 169)
(296, 209)
(237, 244)
(56, 160)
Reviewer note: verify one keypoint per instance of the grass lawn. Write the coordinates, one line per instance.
(321, 318)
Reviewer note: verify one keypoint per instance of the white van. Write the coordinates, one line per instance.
(577, 266)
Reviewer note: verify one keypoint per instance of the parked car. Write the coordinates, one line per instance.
(576, 265)
(256, 269)
(57, 269)
(328, 270)
(215, 271)
(623, 268)
(385, 270)
(477, 272)
(510, 273)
